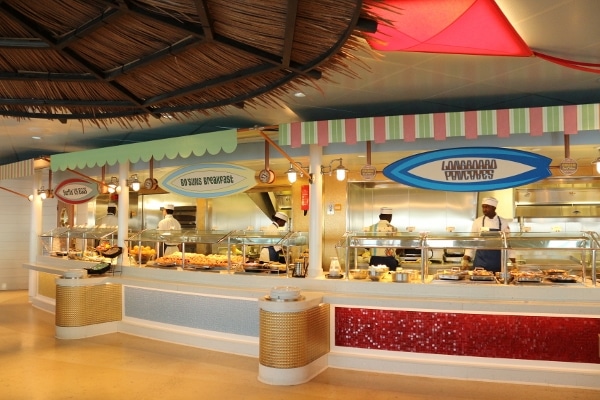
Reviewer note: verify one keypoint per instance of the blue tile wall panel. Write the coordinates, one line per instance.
(219, 314)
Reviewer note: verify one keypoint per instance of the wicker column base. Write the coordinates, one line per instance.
(294, 341)
(80, 308)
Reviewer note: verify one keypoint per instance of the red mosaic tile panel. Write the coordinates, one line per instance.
(568, 339)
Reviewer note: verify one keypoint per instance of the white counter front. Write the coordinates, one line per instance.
(539, 334)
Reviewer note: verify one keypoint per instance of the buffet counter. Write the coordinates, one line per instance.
(539, 333)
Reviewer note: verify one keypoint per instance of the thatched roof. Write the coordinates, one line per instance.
(127, 60)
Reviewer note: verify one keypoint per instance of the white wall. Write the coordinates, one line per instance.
(15, 214)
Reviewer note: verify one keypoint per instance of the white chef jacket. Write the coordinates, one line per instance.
(169, 223)
(381, 226)
(491, 223)
(264, 252)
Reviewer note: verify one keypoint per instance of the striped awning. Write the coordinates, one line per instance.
(183, 147)
(20, 169)
(468, 124)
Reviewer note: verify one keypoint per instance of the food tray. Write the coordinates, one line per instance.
(98, 269)
(529, 279)
(451, 276)
(164, 265)
(454, 274)
(482, 278)
(563, 278)
(113, 252)
(257, 268)
(552, 272)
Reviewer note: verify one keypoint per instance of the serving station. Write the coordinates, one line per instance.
(540, 257)
(439, 321)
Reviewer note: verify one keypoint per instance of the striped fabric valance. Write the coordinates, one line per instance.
(20, 169)
(439, 126)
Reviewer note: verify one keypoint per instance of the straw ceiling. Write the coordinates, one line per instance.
(129, 60)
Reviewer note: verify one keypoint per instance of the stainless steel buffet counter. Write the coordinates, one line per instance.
(540, 256)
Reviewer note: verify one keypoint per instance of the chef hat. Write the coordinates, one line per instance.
(169, 207)
(385, 210)
(490, 201)
(281, 215)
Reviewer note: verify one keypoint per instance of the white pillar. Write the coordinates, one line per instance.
(35, 229)
(315, 222)
(123, 210)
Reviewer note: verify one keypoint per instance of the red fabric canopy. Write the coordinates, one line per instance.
(475, 27)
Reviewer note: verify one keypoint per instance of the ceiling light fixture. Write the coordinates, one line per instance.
(340, 170)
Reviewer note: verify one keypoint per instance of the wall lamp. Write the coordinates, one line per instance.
(45, 193)
(292, 174)
(113, 186)
(596, 162)
(134, 183)
(340, 170)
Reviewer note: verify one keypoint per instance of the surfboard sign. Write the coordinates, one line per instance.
(469, 169)
(76, 191)
(209, 180)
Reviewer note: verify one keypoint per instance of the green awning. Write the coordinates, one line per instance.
(183, 147)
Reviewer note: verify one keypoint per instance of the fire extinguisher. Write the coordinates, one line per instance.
(304, 198)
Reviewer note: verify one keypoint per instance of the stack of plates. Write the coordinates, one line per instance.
(284, 293)
(75, 274)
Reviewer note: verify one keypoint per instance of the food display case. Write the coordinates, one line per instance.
(354, 250)
(215, 250)
(197, 249)
(250, 244)
(78, 243)
(540, 257)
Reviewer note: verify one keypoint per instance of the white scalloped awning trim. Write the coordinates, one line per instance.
(182, 146)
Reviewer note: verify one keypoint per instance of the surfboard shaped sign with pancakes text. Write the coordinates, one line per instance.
(469, 169)
(209, 180)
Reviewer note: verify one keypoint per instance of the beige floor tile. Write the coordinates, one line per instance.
(34, 365)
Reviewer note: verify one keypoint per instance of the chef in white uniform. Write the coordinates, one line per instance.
(383, 256)
(169, 223)
(489, 260)
(273, 253)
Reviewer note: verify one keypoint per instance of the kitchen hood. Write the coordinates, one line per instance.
(264, 202)
(269, 202)
(559, 198)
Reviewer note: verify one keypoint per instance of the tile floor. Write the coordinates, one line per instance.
(34, 365)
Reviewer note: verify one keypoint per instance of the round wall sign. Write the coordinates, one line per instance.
(568, 166)
(368, 172)
(266, 176)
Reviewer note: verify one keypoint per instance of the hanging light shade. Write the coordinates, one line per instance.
(340, 172)
(596, 162)
(291, 174)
